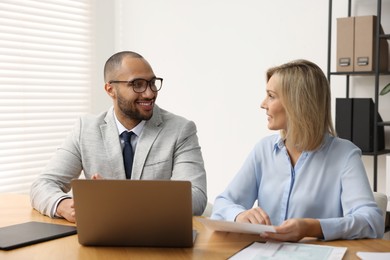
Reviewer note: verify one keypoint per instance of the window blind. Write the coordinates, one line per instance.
(45, 68)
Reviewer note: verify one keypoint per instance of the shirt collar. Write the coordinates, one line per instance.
(137, 130)
(279, 143)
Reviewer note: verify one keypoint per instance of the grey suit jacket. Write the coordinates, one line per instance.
(168, 148)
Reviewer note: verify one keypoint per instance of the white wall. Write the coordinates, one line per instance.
(103, 47)
(213, 55)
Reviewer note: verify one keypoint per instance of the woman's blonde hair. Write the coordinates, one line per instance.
(305, 95)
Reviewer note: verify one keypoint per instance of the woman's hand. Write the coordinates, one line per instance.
(254, 216)
(294, 230)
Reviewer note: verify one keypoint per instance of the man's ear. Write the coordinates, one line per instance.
(109, 89)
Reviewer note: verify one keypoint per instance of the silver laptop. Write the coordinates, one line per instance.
(155, 213)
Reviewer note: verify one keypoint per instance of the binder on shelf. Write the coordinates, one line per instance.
(345, 44)
(355, 122)
(363, 125)
(365, 45)
(344, 118)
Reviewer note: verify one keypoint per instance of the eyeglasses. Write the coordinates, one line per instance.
(140, 85)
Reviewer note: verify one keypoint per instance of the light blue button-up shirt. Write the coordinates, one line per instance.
(329, 184)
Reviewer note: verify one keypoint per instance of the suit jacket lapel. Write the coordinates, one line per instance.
(145, 142)
(113, 149)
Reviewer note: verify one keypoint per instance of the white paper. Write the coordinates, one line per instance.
(229, 226)
(291, 251)
(373, 256)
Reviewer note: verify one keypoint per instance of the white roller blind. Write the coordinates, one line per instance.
(45, 68)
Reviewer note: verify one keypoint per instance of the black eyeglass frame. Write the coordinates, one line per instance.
(148, 83)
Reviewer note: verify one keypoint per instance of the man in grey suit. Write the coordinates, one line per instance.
(165, 145)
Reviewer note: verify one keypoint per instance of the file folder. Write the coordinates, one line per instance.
(365, 45)
(345, 44)
(355, 122)
(344, 115)
(363, 125)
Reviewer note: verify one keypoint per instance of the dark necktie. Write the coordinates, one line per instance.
(128, 153)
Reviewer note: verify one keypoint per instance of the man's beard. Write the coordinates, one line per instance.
(130, 111)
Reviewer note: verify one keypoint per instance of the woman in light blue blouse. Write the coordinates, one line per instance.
(307, 182)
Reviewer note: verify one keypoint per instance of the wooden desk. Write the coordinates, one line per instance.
(16, 209)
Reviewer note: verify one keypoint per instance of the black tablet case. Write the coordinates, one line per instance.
(32, 232)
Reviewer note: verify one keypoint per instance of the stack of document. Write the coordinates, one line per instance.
(273, 250)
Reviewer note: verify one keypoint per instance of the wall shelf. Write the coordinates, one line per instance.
(376, 73)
